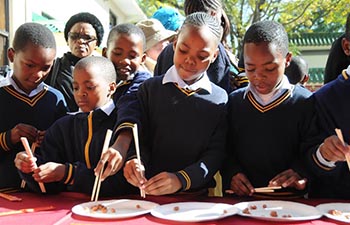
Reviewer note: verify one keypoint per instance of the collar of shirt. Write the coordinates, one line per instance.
(34, 92)
(171, 76)
(106, 108)
(347, 72)
(270, 97)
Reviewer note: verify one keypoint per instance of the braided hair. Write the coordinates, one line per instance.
(191, 6)
(200, 19)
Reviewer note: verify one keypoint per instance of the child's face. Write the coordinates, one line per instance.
(194, 51)
(31, 65)
(82, 39)
(264, 66)
(91, 91)
(126, 53)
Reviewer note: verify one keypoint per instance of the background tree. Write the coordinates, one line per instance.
(298, 16)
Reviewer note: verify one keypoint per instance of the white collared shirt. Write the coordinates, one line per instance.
(265, 99)
(10, 81)
(171, 76)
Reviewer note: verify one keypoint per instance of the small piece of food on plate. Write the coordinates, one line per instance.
(264, 206)
(138, 206)
(176, 208)
(253, 207)
(273, 213)
(225, 211)
(246, 211)
(335, 212)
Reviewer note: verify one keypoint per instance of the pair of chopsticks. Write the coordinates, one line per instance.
(137, 147)
(97, 184)
(259, 190)
(340, 136)
(28, 210)
(34, 145)
(30, 154)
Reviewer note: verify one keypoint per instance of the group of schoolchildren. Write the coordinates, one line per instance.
(270, 133)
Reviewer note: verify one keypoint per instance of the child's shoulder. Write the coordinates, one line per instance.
(142, 75)
(300, 91)
(219, 92)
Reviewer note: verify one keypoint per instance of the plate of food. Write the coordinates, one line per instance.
(336, 211)
(114, 209)
(275, 210)
(194, 211)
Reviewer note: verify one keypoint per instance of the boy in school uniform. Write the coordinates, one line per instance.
(182, 139)
(269, 120)
(328, 161)
(29, 106)
(72, 146)
(126, 44)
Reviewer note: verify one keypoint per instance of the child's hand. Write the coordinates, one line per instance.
(241, 186)
(289, 178)
(25, 163)
(114, 161)
(333, 149)
(133, 173)
(162, 184)
(23, 130)
(49, 172)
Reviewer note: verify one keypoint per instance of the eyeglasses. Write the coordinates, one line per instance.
(77, 36)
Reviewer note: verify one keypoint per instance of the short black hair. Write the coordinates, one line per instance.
(347, 28)
(34, 33)
(268, 32)
(85, 17)
(204, 19)
(128, 29)
(105, 67)
(296, 70)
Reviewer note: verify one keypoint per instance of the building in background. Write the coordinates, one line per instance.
(54, 14)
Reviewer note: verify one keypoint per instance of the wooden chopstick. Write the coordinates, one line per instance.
(259, 190)
(34, 145)
(9, 197)
(28, 210)
(29, 152)
(340, 136)
(137, 147)
(97, 184)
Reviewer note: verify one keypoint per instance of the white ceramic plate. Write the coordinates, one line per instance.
(343, 207)
(116, 209)
(278, 210)
(194, 211)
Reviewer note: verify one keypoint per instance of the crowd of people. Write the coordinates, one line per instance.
(202, 126)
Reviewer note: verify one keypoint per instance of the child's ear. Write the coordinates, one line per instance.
(305, 79)
(112, 88)
(11, 54)
(215, 55)
(345, 44)
(104, 52)
(143, 58)
(288, 59)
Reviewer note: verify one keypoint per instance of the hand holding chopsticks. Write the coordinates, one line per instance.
(97, 184)
(259, 190)
(30, 154)
(340, 136)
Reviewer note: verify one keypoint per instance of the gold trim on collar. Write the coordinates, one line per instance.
(186, 91)
(272, 105)
(29, 101)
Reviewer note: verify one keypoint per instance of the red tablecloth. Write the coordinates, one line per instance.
(62, 203)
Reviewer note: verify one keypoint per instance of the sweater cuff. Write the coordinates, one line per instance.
(68, 174)
(184, 179)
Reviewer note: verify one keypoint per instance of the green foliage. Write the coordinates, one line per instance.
(298, 16)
